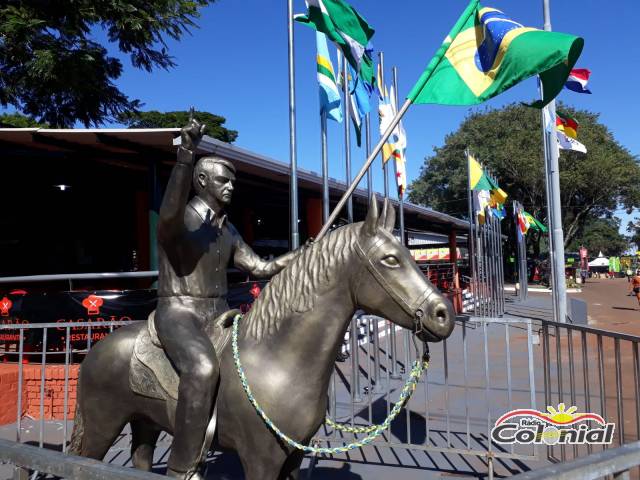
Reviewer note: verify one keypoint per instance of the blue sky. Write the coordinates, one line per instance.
(235, 65)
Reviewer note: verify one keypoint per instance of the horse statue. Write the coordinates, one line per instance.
(287, 342)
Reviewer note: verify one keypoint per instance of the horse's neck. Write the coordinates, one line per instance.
(309, 341)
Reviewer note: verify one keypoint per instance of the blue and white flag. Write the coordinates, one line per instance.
(359, 93)
(330, 101)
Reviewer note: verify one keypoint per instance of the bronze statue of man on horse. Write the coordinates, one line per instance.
(176, 372)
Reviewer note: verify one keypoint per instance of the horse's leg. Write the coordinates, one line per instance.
(143, 442)
(99, 436)
(291, 468)
(262, 463)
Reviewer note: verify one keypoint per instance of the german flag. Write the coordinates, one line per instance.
(567, 124)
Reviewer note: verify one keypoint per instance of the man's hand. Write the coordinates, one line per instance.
(192, 133)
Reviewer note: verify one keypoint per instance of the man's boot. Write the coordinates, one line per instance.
(184, 475)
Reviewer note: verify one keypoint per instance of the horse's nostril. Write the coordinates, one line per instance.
(442, 314)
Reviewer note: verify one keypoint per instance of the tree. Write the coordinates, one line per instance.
(601, 235)
(16, 120)
(154, 119)
(508, 141)
(52, 69)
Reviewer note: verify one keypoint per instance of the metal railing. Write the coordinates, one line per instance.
(48, 461)
(617, 462)
(487, 367)
(73, 352)
(597, 370)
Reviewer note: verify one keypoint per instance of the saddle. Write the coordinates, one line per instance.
(151, 373)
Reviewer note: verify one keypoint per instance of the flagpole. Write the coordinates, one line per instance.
(385, 172)
(400, 195)
(325, 166)
(367, 126)
(293, 190)
(556, 234)
(547, 180)
(347, 134)
(471, 240)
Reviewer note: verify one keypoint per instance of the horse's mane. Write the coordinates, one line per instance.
(294, 289)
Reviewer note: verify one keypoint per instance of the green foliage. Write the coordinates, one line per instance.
(600, 235)
(51, 68)
(154, 119)
(16, 120)
(509, 142)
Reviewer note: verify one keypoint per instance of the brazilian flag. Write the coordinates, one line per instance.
(486, 53)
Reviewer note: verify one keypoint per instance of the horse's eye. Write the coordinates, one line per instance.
(390, 261)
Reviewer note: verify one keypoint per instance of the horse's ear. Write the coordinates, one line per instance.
(388, 218)
(371, 222)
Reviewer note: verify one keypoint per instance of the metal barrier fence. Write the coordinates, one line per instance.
(618, 461)
(487, 367)
(72, 353)
(597, 370)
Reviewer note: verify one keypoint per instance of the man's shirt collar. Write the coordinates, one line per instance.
(206, 213)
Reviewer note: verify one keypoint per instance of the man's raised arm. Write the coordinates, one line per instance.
(174, 202)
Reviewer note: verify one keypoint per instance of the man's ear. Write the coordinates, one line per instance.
(202, 180)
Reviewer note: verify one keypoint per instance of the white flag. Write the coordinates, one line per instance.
(567, 143)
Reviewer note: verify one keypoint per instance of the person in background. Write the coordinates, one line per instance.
(629, 273)
(635, 285)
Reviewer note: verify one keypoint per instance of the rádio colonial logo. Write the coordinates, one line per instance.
(561, 426)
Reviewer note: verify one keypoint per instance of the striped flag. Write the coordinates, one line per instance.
(330, 102)
(578, 79)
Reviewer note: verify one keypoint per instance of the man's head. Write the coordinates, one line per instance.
(213, 179)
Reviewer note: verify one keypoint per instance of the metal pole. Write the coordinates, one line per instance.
(376, 333)
(471, 241)
(154, 207)
(385, 171)
(293, 190)
(553, 186)
(367, 126)
(403, 237)
(347, 135)
(400, 195)
(325, 167)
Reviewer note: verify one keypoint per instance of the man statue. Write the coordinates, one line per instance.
(195, 244)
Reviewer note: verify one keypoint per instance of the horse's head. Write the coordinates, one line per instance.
(390, 284)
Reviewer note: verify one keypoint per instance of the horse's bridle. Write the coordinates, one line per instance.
(411, 308)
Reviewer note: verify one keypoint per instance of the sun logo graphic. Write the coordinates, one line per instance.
(557, 425)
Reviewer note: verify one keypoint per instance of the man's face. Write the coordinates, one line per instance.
(220, 184)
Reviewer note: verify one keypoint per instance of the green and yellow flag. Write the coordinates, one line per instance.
(534, 223)
(478, 180)
(487, 53)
